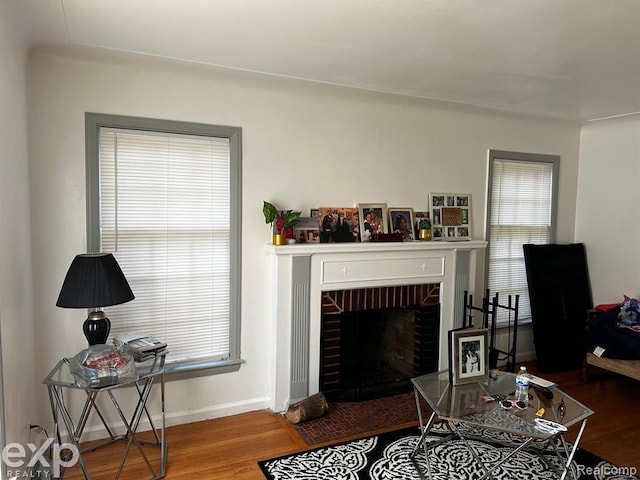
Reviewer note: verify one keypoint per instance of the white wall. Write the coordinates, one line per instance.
(607, 213)
(304, 145)
(16, 291)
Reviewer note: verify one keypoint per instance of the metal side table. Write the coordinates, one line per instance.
(150, 373)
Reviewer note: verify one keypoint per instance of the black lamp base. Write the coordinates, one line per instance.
(96, 328)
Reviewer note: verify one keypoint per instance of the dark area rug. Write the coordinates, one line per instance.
(358, 418)
(387, 456)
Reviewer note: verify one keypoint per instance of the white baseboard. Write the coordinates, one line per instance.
(97, 432)
(217, 411)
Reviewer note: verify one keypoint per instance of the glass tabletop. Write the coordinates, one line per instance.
(466, 403)
(61, 375)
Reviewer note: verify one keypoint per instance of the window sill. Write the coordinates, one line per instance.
(201, 368)
(521, 323)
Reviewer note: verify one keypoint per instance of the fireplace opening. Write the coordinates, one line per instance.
(374, 353)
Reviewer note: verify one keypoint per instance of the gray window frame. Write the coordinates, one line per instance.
(93, 123)
(528, 158)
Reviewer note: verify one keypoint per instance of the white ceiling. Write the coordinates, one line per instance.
(565, 59)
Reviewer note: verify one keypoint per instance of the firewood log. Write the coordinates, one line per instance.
(311, 407)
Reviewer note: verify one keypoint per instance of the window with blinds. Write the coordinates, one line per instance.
(165, 207)
(521, 209)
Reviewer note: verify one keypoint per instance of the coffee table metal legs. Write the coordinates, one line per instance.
(455, 432)
(568, 465)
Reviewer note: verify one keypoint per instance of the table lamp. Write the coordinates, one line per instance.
(94, 280)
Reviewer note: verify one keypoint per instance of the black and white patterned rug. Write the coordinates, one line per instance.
(387, 457)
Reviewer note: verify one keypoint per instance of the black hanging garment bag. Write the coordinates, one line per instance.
(560, 296)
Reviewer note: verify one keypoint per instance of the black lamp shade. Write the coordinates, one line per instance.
(94, 281)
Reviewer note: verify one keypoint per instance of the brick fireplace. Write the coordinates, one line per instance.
(303, 274)
(373, 340)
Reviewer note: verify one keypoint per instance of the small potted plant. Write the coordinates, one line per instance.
(282, 222)
(424, 229)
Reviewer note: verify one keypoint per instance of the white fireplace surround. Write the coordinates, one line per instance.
(302, 272)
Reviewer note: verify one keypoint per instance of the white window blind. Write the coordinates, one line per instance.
(165, 214)
(520, 211)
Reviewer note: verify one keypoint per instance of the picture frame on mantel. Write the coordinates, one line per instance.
(338, 224)
(401, 221)
(307, 230)
(373, 219)
(450, 216)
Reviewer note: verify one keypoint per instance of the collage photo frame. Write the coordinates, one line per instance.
(450, 216)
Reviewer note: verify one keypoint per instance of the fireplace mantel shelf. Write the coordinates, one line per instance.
(324, 248)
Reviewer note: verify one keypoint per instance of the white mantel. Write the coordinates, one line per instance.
(301, 272)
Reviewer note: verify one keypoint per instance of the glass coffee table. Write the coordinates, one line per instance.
(465, 408)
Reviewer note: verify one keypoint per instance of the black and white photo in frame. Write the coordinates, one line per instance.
(468, 355)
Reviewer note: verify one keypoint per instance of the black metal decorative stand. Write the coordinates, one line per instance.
(489, 319)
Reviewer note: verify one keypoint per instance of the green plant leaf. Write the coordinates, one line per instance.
(270, 212)
(291, 218)
(424, 223)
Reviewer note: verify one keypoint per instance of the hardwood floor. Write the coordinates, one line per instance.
(228, 448)
(613, 431)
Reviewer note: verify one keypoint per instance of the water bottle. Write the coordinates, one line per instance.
(522, 386)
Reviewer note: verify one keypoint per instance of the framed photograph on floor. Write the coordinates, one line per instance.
(450, 216)
(373, 219)
(468, 355)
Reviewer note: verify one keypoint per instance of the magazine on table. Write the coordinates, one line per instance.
(140, 345)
